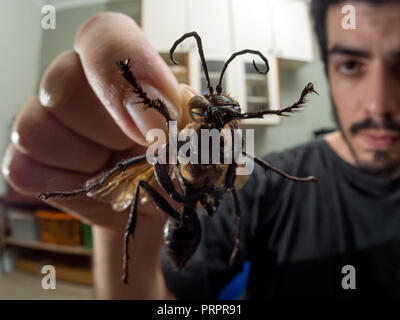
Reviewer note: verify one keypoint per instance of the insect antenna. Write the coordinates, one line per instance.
(201, 53)
(233, 56)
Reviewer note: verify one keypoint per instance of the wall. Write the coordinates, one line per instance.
(19, 57)
(71, 17)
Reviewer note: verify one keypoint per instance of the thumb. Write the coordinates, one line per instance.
(187, 94)
(109, 37)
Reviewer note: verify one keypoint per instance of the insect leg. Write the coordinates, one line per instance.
(282, 112)
(229, 184)
(238, 216)
(147, 102)
(165, 182)
(230, 175)
(125, 164)
(130, 227)
(268, 166)
(119, 167)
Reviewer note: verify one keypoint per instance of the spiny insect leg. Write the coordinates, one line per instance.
(231, 172)
(229, 184)
(165, 182)
(162, 174)
(230, 176)
(282, 112)
(130, 227)
(238, 216)
(125, 164)
(268, 166)
(119, 167)
(156, 104)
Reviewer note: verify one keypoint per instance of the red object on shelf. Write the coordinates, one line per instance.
(58, 227)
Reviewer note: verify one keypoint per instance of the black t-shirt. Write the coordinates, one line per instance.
(299, 235)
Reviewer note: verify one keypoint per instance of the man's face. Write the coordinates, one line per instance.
(364, 75)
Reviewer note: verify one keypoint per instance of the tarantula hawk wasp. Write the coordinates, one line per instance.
(198, 183)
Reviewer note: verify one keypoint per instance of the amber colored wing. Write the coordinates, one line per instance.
(120, 186)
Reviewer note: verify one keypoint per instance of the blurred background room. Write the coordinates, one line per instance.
(32, 234)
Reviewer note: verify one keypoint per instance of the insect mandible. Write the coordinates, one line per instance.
(199, 184)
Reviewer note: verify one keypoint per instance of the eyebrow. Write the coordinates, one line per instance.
(342, 50)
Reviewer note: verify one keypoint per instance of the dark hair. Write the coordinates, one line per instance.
(319, 9)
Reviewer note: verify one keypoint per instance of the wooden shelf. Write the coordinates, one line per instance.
(77, 250)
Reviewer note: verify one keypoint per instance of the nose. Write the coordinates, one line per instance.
(380, 93)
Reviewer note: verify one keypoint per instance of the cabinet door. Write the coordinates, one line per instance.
(164, 22)
(292, 30)
(211, 20)
(252, 25)
(260, 92)
(214, 66)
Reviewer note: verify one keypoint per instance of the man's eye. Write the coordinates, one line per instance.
(350, 67)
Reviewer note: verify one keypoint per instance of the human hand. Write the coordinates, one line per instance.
(86, 117)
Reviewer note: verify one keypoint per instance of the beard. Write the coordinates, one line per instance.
(382, 163)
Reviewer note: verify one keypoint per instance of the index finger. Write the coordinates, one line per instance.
(110, 37)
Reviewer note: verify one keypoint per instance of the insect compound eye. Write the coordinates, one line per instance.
(223, 101)
(198, 106)
(237, 108)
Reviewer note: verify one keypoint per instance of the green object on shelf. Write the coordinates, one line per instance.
(87, 236)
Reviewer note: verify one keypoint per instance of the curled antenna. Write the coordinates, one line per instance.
(219, 86)
(201, 53)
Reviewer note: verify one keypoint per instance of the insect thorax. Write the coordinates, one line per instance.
(211, 147)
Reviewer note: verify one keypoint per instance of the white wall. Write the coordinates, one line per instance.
(19, 58)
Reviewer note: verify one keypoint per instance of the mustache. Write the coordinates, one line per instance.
(387, 123)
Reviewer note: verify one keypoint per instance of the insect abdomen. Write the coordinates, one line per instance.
(182, 238)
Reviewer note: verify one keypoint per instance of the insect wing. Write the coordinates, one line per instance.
(120, 187)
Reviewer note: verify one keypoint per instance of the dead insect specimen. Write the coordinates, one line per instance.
(198, 184)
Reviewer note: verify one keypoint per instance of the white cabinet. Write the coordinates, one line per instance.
(252, 27)
(258, 91)
(211, 20)
(292, 30)
(279, 29)
(164, 22)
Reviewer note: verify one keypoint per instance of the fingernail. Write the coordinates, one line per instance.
(187, 93)
(5, 165)
(50, 91)
(149, 118)
(15, 138)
